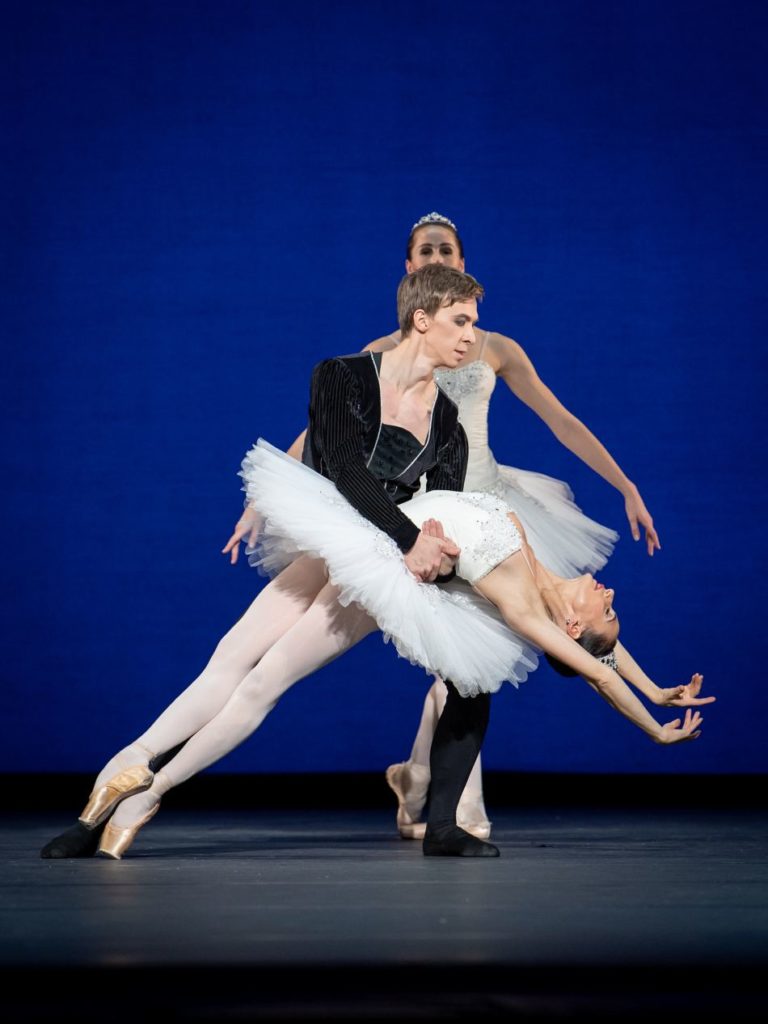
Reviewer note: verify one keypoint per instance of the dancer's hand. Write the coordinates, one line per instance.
(684, 696)
(248, 524)
(434, 528)
(674, 732)
(425, 556)
(638, 515)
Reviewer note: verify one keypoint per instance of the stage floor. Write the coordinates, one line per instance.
(309, 914)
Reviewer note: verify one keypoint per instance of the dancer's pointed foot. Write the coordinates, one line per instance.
(472, 816)
(115, 840)
(77, 841)
(105, 798)
(452, 841)
(410, 783)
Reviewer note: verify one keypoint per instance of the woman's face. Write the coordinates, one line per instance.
(434, 243)
(591, 607)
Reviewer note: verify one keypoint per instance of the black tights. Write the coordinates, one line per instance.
(456, 744)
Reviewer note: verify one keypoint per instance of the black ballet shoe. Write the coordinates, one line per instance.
(452, 841)
(77, 841)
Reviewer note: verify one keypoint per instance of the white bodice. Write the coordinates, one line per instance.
(478, 523)
(471, 387)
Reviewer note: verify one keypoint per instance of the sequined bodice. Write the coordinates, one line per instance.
(471, 387)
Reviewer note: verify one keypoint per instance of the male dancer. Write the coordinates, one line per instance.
(352, 403)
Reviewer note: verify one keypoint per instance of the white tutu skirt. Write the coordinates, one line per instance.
(563, 538)
(449, 630)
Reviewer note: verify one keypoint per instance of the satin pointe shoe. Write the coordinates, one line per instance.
(105, 799)
(471, 816)
(410, 783)
(115, 841)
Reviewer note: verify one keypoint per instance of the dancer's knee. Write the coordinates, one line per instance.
(230, 655)
(264, 685)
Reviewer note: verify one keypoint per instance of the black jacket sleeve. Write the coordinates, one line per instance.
(336, 429)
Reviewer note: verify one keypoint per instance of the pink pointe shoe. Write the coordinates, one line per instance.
(105, 799)
(409, 782)
(472, 817)
(115, 841)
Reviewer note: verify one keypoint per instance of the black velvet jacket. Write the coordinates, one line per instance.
(344, 421)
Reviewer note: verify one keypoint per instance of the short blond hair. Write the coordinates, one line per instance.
(431, 288)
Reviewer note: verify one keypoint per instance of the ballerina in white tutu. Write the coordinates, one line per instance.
(478, 635)
(452, 629)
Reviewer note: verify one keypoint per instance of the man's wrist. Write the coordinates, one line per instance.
(405, 536)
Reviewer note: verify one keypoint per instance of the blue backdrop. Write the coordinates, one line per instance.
(203, 199)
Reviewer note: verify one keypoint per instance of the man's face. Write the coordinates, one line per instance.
(450, 332)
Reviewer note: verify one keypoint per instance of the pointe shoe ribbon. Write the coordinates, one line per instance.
(105, 799)
(115, 841)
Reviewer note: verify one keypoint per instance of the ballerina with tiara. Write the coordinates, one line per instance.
(573, 542)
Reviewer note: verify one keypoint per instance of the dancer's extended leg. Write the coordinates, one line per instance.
(280, 604)
(324, 631)
(278, 607)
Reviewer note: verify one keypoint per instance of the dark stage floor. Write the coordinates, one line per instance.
(315, 914)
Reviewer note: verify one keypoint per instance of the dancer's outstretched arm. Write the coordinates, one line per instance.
(521, 377)
(512, 364)
(524, 613)
(669, 697)
(606, 682)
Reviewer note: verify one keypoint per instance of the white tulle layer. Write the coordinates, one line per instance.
(563, 538)
(451, 630)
